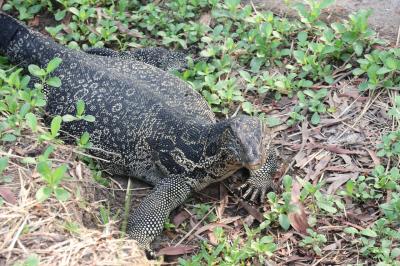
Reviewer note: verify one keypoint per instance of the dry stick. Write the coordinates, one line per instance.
(398, 37)
(303, 144)
(365, 109)
(17, 234)
(321, 259)
(194, 227)
(127, 206)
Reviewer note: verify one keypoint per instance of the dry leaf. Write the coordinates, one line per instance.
(338, 180)
(7, 194)
(298, 218)
(210, 227)
(374, 157)
(223, 196)
(205, 19)
(180, 217)
(34, 22)
(251, 210)
(178, 250)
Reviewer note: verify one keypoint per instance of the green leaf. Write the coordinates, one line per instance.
(54, 82)
(55, 125)
(53, 64)
(395, 253)
(350, 230)
(245, 75)
(358, 72)
(299, 55)
(69, 118)
(368, 232)
(315, 119)
(383, 70)
(247, 107)
(9, 138)
(287, 182)
(24, 109)
(80, 107)
(284, 221)
(273, 121)
(36, 71)
(89, 118)
(3, 164)
(61, 194)
(326, 3)
(60, 15)
(266, 28)
(44, 169)
(302, 36)
(29, 160)
(392, 63)
(84, 138)
(358, 48)
(326, 207)
(59, 174)
(43, 193)
(31, 120)
(31, 260)
(256, 63)
(363, 86)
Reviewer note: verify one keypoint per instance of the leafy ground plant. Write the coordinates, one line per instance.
(328, 90)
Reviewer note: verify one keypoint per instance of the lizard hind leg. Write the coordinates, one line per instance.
(147, 221)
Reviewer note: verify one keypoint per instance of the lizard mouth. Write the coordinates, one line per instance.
(253, 166)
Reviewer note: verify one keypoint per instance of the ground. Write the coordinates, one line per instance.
(385, 17)
(328, 93)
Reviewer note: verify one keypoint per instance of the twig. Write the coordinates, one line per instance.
(127, 206)
(194, 227)
(15, 238)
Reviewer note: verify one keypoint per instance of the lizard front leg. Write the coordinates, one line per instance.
(260, 180)
(147, 221)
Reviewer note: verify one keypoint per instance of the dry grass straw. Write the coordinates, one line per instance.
(29, 227)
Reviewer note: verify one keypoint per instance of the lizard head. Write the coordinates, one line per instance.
(246, 140)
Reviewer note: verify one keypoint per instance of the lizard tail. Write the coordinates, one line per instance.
(25, 46)
(9, 27)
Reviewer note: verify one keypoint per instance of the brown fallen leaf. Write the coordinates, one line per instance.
(34, 22)
(212, 238)
(205, 19)
(319, 168)
(374, 157)
(298, 217)
(7, 194)
(329, 147)
(337, 180)
(223, 196)
(251, 210)
(210, 227)
(345, 169)
(180, 217)
(178, 250)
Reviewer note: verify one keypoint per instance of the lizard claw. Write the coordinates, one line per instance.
(150, 254)
(253, 192)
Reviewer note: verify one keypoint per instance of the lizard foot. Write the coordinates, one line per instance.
(253, 192)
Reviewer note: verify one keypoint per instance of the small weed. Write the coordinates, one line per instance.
(314, 241)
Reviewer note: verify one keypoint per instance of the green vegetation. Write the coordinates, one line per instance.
(238, 55)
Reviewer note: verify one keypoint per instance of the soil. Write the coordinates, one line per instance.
(385, 17)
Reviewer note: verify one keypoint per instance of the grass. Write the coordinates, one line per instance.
(328, 92)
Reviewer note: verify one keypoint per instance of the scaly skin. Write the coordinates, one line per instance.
(149, 124)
